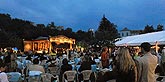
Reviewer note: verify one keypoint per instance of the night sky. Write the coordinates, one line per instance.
(85, 14)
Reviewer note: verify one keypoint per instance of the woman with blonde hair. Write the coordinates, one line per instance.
(125, 66)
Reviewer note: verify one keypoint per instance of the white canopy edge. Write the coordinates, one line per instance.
(136, 40)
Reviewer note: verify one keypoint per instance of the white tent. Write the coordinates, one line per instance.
(152, 38)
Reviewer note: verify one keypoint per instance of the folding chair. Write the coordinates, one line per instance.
(55, 71)
(70, 76)
(34, 76)
(86, 75)
(47, 77)
(14, 77)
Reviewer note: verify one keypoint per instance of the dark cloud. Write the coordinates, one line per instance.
(85, 14)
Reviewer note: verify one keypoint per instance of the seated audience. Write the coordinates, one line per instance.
(3, 75)
(65, 67)
(85, 65)
(36, 67)
(124, 69)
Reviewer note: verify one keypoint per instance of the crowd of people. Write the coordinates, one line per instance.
(125, 64)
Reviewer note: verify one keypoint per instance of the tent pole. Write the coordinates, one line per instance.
(156, 47)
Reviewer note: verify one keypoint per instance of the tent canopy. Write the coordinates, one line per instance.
(152, 38)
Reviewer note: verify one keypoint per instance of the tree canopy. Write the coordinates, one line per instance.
(106, 30)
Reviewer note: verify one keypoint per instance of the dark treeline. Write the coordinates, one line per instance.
(14, 30)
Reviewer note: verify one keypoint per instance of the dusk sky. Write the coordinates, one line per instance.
(85, 14)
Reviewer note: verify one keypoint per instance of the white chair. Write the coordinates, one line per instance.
(14, 77)
(71, 76)
(34, 76)
(86, 74)
(54, 70)
(48, 77)
(103, 71)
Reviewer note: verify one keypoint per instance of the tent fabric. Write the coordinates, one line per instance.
(136, 40)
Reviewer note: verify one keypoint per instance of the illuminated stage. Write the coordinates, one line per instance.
(49, 44)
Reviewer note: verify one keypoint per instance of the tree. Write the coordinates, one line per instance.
(80, 35)
(41, 25)
(51, 25)
(5, 20)
(68, 32)
(148, 29)
(160, 27)
(106, 30)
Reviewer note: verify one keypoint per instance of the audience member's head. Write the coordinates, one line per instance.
(36, 61)
(146, 47)
(105, 49)
(65, 61)
(29, 57)
(86, 58)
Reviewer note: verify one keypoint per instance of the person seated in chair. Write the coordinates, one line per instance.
(3, 75)
(36, 67)
(65, 67)
(85, 65)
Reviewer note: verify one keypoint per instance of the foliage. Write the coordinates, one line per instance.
(13, 31)
(148, 29)
(160, 27)
(106, 32)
